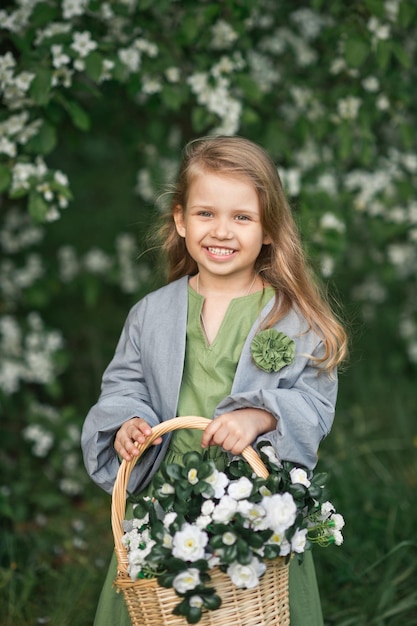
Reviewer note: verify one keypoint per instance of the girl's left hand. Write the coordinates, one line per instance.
(238, 429)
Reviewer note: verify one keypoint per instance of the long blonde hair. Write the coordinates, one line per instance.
(281, 263)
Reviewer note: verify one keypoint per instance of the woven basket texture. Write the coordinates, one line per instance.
(149, 604)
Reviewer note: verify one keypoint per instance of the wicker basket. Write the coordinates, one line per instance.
(151, 605)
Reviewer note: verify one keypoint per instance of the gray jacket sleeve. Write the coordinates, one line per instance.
(142, 380)
(300, 396)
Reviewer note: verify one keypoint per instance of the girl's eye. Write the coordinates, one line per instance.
(205, 213)
(242, 218)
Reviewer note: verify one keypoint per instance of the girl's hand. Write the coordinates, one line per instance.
(133, 430)
(238, 429)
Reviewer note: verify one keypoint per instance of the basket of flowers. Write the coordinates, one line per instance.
(214, 547)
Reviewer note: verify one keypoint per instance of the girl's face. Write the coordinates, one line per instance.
(221, 224)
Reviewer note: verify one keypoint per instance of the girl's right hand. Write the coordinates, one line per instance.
(133, 430)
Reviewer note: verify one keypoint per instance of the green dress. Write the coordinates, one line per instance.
(209, 371)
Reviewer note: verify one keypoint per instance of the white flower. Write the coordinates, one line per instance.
(327, 509)
(370, 83)
(281, 511)
(196, 602)
(203, 521)
(229, 538)
(207, 507)
(192, 476)
(83, 44)
(271, 454)
(338, 521)
(187, 580)
(219, 481)
(240, 489)
(223, 35)
(58, 57)
(254, 513)
(298, 542)
(97, 262)
(7, 147)
(299, 476)
(167, 489)
(189, 543)
(71, 8)
(172, 74)
(169, 518)
(348, 107)
(131, 58)
(338, 537)
(246, 576)
(329, 221)
(225, 510)
(285, 548)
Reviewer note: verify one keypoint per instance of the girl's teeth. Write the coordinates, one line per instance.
(220, 251)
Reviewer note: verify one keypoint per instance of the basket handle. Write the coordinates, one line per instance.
(120, 486)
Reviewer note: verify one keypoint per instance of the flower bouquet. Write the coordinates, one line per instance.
(201, 520)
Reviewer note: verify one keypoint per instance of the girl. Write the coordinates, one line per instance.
(235, 270)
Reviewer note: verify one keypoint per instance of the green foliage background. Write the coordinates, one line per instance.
(97, 100)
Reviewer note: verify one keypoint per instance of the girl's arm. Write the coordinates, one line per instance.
(124, 398)
(302, 403)
(235, 430)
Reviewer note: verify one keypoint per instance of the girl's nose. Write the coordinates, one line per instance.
(221, 229)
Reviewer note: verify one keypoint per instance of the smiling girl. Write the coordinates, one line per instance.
(240, 334)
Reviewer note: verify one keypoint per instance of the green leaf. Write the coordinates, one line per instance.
(406, 13)
(376, 7)
(383, 53)
(38, 208)
(94, 65)
(194, 615)
(192, 459)
(41, 86)
(356, 51)
(45, 141)
(174, 471)
(401, 54)
(211, 602)
(79, 117)
(5, 178)
(43, 14)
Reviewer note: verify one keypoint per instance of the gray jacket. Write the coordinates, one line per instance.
(144, 377)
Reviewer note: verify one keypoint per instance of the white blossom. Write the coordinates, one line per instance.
(187, 580)
(225, 509)
(299, 540)
(223, 35)
(97, 261)
(218, 481)
(329, 221)
(371, 84)
(281, 511)
(59, 58)
(73, 8)
(41, 439)
(246, 576)
(299, 475)
(240, 489)
(348, 107)
(189, 543)
(173, 74)
(83, 44)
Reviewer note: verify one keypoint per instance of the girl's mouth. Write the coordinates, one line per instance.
(221, 251)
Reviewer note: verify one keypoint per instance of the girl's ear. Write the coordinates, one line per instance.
(178, 216)
(267, 240)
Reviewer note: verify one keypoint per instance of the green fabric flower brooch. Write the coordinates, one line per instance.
(272, 350)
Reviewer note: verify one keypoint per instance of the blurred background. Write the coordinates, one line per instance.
(97, 100)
